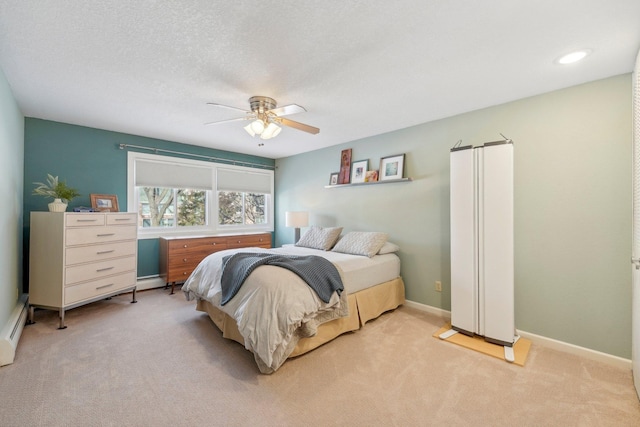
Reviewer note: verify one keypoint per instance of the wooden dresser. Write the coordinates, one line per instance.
(179, 256)
(78, 258)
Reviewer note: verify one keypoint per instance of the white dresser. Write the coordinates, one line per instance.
(78, 258)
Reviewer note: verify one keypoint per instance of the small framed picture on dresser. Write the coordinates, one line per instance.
(104, 202)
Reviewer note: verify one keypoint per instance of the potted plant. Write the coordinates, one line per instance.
(57, 190)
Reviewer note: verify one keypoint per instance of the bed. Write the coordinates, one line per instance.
(276, 315)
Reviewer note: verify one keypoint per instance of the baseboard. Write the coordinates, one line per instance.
(444, 314)
(145, 283)
(587, 353)
(11, 332)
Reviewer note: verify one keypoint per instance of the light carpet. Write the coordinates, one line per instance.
(477, 343)
(161, 363)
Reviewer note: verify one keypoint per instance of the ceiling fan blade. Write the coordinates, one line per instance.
(215, 104)
(285, 110)
(229, 120)
(297, 125)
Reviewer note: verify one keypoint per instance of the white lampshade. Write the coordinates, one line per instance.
(249, 130)
(257, 126)
(296, 219)
(270, 131)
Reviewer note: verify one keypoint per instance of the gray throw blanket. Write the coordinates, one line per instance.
(319, 273)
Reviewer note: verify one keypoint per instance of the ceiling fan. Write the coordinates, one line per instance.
(265, 117)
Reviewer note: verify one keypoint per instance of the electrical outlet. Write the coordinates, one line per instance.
(438, 286)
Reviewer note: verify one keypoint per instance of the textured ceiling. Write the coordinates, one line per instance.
(360, 68)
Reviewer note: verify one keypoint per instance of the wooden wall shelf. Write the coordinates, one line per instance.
(362, 184)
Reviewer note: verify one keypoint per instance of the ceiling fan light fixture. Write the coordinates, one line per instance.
(271, 131)
(257, 126)
(249, 130)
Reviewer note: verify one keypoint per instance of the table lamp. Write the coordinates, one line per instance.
(297, 220)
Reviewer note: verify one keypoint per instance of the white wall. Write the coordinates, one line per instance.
(11, 185)
(572, 206)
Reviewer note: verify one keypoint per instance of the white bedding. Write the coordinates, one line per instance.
(275, 308)
(359, 272)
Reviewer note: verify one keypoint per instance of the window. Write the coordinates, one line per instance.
(174, 195)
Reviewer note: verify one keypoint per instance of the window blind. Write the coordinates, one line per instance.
(244, 181)
(172, 175)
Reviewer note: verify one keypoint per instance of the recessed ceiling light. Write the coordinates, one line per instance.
(572, 57)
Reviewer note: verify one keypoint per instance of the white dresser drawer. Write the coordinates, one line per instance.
(86, 219)
(124, 218)
(84, 272)
(80, 254)
(110, 233)
(106, 285)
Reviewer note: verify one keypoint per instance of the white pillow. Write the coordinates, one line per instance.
(320, 238)
(366, 243)
(388, 248)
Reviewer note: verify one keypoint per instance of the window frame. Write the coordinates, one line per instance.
(212, 198)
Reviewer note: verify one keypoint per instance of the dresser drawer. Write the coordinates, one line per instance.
(84, 219)
(180, 273)
(255, 240)
(83, 291)
(80, 254)
(206, 245)
(125, 218)
(83, 272)
(90, 235)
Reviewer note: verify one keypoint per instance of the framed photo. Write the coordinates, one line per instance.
(359, 171)
(371, 176)
(345, 167)
(104, 202)
(333, 178)
(391, 167)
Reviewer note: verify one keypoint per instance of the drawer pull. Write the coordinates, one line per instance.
(106, 234)
(105, 252)
(185, 246)
(104, 286)
(185, 273)
(104, 269)
(239, 241)
(214, 243)
(184, 260)
(86, 220)
(123, 219)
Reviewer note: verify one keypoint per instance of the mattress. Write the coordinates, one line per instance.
(358, 272)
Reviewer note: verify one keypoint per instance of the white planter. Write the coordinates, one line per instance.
(57, 206)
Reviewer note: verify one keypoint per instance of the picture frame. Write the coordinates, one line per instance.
(359, 171)
(333, 178)
(391, 167)
(104, 202)
(371, 176)
(344, 176)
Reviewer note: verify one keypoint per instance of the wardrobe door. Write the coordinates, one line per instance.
(497, 273)
(464, 290)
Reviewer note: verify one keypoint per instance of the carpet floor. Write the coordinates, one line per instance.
(161, 363)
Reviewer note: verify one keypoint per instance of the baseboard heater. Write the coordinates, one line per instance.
(10, 334)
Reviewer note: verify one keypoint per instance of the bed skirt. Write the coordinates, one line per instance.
(364, 305)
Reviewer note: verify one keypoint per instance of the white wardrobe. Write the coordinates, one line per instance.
(482, 243)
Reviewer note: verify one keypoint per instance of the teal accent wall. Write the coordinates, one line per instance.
(11, 184)
(572, 206)
(90, 160)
